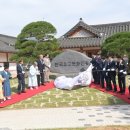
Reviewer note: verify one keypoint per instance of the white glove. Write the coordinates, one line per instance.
(124, 72)
(108, 69)
(104, 69)
(113, 69)
(121, 71)
(23, 72)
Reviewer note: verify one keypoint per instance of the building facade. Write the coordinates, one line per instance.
(7, 47)
(89, 38)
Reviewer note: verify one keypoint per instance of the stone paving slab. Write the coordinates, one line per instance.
(65, 117)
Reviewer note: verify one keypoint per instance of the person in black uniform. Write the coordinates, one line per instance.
(94, 72)
(41, 68)
(129, 84)
(108, 75)
(103, 72)
(111, 68)
(99, 69)
(121, 75)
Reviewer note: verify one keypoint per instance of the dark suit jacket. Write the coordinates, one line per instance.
(122, 67)
(40, 65)
(104, 64)
(20, 75)
(113, 65)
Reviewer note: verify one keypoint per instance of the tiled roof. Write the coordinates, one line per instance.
(7, 43)
(85, 26)
(79, 42)
(113, 28)
(104, 30)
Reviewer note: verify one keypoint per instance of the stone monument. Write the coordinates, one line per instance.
(70, 62)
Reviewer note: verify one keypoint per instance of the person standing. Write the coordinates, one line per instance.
(99, 69)
(111, 68)
(103, 72)
(32, 78)
(41, 68)
(6, 84)
(126, 60)
(121, 75)
(47, 67)
(38, 75)
(129, 85)
(1, 90)
(94, 70)
(21, 77)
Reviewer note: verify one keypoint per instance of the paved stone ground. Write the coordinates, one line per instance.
(73, 117)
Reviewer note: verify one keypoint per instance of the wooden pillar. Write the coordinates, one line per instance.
(7, 57)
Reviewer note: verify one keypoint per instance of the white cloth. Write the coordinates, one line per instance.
(113, 69)
(124, 72)
(121, 71)
(104, 69)
(83, 79)
(32, 78)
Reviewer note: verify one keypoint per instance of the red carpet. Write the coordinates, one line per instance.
(123, 97)
(29, 93)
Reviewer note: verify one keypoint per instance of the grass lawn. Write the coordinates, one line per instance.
(100, 128)
(84, 96)
(93, 128)
(53, 98)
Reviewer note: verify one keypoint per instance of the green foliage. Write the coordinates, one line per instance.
(45, 43)
(118, 44)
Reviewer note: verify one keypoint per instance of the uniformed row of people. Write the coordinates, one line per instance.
(105, 70)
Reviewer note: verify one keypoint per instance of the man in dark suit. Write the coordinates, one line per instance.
(99, 69)
(21, 77)
(94, 72)
(111, 68)
(104, 72)
(121, 65)
(41, 68)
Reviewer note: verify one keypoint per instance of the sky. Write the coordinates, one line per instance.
(63, 14)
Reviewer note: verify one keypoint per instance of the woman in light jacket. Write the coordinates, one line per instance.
(1, 90)
(47, 63)
(32, 78)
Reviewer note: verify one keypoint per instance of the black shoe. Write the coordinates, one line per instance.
(119, 92)
(122, 93)
(128, 97)
(23, 91)
(114, 91)
(43, 84)
(19, 93)
(108, 89)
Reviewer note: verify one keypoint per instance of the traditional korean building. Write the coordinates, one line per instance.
(7, 47)
(89, 38)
